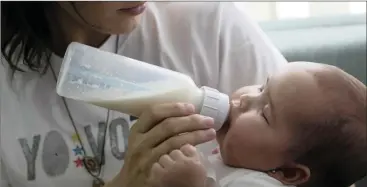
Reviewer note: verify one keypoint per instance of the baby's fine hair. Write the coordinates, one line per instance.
(334, 146)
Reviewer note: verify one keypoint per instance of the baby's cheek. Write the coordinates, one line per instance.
(230, 151)
(232, 143)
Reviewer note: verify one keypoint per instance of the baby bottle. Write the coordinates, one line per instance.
(129, 86)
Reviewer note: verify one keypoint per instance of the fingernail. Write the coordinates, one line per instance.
(210, 133)
(189, 107)
(208, 121)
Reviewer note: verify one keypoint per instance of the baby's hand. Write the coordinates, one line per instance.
(181, 168)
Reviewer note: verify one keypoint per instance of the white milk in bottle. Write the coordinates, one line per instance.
(129, 86)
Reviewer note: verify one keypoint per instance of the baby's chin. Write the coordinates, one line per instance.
(221, 139)
(221, 133)
(226, 158)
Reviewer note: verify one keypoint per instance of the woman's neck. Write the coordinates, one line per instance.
(64, 29)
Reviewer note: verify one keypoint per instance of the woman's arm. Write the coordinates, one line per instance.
(116, 182)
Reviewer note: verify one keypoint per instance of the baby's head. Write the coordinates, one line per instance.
(306, 126)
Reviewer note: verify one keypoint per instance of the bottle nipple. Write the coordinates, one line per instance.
(215, 105)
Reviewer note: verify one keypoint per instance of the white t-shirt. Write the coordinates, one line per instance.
(213, 42)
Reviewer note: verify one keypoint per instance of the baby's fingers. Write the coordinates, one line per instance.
(156, 174)
(165, 161)
(177, 155)
(157, 169)
(190, 151)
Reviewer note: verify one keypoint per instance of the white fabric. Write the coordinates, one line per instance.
(213, 43)
(226, 176)
(271, 11)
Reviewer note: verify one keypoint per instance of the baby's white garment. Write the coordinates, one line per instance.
(225, 176)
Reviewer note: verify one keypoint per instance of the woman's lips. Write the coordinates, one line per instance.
(136, 10)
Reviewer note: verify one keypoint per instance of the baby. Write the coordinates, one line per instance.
(306, 126)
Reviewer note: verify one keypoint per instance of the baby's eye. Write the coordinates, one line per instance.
(263, 114)
(262, 87)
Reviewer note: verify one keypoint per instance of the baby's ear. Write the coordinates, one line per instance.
(292, 174)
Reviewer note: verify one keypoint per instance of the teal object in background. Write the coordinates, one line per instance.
(337, 40)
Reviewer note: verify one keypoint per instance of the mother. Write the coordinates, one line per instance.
(51, 141)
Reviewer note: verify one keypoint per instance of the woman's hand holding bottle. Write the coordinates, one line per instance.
(160, 130)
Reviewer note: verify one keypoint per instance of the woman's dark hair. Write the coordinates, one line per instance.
(25, 35)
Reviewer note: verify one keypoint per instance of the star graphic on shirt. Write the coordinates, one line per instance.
(78, 151)
(75, 138)
(78, 162)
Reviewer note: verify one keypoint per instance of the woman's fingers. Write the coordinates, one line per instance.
(176, 142)
(162, 129)
(174, 126)
(158, 113)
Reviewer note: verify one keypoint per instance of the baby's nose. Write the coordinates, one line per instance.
(248, 100)
(245, 90)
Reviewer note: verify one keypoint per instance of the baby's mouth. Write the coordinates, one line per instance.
(226, 126)
(221, 133)
(235, 103)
